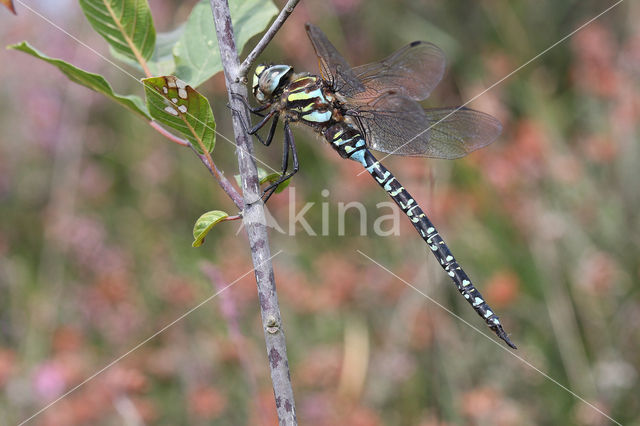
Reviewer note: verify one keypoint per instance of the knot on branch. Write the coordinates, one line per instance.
(272, 324)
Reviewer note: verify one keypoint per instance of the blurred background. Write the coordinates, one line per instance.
(96, 213)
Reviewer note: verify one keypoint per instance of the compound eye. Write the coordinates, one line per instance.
(269, 83)
(256, 76)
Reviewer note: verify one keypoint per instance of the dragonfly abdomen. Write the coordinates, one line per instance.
(345, 139)
(435, 242)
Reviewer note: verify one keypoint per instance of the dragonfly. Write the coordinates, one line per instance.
(376, 107)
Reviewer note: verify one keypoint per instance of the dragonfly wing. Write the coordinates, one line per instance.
(391, 123)
(459, 131)
(335, 69)
(413, 71)
(398, 125)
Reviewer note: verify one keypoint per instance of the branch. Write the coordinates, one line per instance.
(222, 181)
(167, 134)
(266, 38)
(213, 169)
(254, 220)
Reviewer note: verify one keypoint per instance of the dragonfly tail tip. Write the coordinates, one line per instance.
(503, 336)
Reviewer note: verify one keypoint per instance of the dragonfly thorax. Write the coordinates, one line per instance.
(269, 80)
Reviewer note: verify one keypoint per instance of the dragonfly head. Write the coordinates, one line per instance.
(268, 80)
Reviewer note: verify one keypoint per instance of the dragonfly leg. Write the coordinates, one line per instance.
(253, 110)
(272, 131)
(263, 122)
(254, 130)
(289, 144)
(240, 116)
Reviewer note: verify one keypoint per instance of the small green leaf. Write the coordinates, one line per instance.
(263, 175)
(126, 25)
(9, 5)
(196, 53)
(173, 103)
(273, 177)
(266, 177)
(204, 224)
(161, 62)
(93, 81)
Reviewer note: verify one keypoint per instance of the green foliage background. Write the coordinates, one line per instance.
(97, 210)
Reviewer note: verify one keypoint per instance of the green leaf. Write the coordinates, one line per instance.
(196, 53)
(173, 103)
(161, 62)
(204, 224)
(273, 177)
(266, 177)
(93, 81)
(126, 25)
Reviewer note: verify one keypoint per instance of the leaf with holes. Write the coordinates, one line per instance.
(126, 25)
(162, 61)
(204, 224)
(196, 53)
(173, 103)
(9, 5)
(93, 81)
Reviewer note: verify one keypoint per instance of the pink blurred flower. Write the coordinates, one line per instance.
(595, 70)
(488, 406)
(67, 339)
(207, 402)
(346, 6)
(7, 365)
(596, 273)
(502, 288)
(49, 381)
(320, 368)
(600, 149)
(125, 380)
(43, 111)
(521, 161)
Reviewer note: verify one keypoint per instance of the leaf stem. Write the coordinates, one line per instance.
(207, 154)
(266, 38)
(167, 134)
(224, 183)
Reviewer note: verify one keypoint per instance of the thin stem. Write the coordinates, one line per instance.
(207, 154)
(224, 183)
(145, 67)
(254, 220)
(266, 38)
(167, 134)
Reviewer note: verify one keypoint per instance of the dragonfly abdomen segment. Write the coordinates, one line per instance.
(346, 140)
(435, 242)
